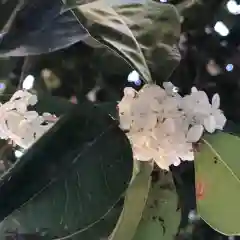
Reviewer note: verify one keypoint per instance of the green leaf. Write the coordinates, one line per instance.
(143, 34)
(52, 104)
(185, 5)
(217, 173)
(135, 200)
(45, 28)
(161, 218)
(69, 182)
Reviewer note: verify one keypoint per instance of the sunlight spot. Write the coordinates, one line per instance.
(233, 7)
(221, 29)
(18, 153)
(28, 82)
(229, 67)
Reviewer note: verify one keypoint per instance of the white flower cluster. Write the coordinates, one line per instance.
(162, 125)
(18, 124)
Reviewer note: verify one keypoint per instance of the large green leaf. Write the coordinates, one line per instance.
(217, 173)
(144, 34)
(185, 5)
(38, 27)
(68, 183)
(161, 218)
(135, 200)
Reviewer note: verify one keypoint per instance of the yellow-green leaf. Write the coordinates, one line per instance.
(144, 34)
(135, 200)
(161, 218)
(107, 18)
(217, 173)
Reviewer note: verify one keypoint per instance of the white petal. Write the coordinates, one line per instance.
(151, 122)
(168, 85)
(31, 115)
(187, 155)
(32, 100)
(36, 122)
(170, 105)
(155, 106)
(140, 107)
(8, 106)
(220, 119)
(173, 159)
(19, 94)
(130, 92)
(152, 143)
(139, 123)
(21, 106)
(176, 161)
(194, 89)
(202, 97)
(195, 133)
(142, 154)
(125, 104)
(215, 101)
(181, 123)
(170, 88)
(162, 163)
(3, 135)
(46, 114)
(158, 133)
(151, 91)
(137, 139)
(201, 111)
(13, 120)
(210, 124)
(169, 126)
(125, 122)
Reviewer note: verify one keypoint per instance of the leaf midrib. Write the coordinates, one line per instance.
(220, 158)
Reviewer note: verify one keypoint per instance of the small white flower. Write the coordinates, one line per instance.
(23, 127)
(200, 111)
(162, 125)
